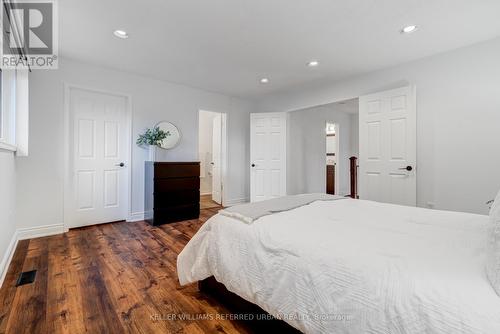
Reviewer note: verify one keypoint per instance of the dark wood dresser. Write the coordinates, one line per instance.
(172, 191)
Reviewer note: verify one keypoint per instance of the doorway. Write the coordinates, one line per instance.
(310, 131)
(212, 156)
(97, 173)
(332, 149)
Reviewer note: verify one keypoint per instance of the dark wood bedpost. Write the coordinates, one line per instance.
(354, 177)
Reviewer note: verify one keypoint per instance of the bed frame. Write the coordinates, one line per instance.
(236, 304)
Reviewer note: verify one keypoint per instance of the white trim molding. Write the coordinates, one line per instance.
(236, 201)
(7, 258)
(7, 147)
(135, 217)
(40, 231)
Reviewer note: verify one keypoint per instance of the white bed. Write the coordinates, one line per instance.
(353, 266)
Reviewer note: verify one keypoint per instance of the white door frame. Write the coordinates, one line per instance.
(337, 156)
(223, 150)
(224, 158)
(67, 223)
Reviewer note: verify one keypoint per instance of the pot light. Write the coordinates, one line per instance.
(264, 80)
(120, 34)
(313, 63)
(409, 29)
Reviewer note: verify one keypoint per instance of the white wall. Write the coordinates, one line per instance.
(458, 120)
(40, 176)
(331, 146)
(7, 204)
(205, 149)
(306, 149)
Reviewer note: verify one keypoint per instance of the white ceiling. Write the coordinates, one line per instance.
(228, 45)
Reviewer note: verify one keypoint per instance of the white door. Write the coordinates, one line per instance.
(99, 142)
(387, 146)
(267, 156)
(216, 159)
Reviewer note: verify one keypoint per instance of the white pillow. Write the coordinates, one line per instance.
(493, 250)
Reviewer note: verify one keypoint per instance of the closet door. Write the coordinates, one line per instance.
(387, 147)
(267, 156)
(97, 186)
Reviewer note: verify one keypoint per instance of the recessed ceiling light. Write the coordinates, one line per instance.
(409, 29)
(120, 34)
(313, 63)
(264, 80)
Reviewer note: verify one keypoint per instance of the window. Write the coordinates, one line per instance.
(14, 103)
(7, 109)
(1, 109)
(21, 112)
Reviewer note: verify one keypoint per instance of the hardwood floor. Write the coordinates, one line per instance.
(111, 278)
(207, 203)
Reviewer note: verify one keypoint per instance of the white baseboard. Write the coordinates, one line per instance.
(236, 201)
(135, 217)
(40, 231)
(9, 253)
(203, 194)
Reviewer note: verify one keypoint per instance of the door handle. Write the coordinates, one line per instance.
(121, 164)
(408, 168)
(253, 165)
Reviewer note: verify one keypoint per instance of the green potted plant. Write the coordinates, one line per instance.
(153, 139)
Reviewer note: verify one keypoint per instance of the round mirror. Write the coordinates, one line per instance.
(173, 135)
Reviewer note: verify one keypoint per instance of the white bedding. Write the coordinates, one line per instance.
(354, 266)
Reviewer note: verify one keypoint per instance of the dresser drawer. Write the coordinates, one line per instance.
(173, 171)
(178, 213)
(176, 184)
(170, 199)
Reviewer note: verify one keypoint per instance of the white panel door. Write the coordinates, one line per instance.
(387, 146)
(267, 156)
(216, 159)
(98, 185)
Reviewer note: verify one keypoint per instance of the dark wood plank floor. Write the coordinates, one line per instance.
(207, 203)
(111, 278)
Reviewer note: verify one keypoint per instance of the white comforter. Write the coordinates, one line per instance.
(354, 266)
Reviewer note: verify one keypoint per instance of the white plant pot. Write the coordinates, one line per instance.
(152, 151)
